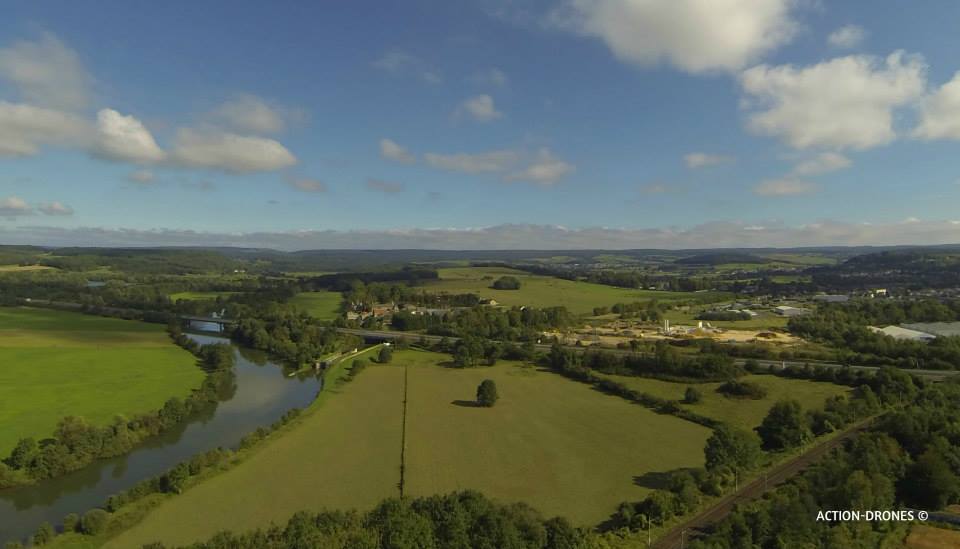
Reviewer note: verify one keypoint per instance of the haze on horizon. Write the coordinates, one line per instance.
(494, 124)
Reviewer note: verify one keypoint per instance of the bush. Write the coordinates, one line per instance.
(506, 283)
(71, 522)
(386, 355)
(94, 522)
(44, 535)
(742, 389)
(487, 393)
(692, 396)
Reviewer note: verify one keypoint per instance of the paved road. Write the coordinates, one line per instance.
(387, 335)
(681, 534)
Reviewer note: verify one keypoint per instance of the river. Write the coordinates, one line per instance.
(261, 394)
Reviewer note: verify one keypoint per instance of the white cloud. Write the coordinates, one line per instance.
(784, 187)
(822, 163)
(125, 139)
(250, 114)
(546, 169)
(14, 206)
(655, 188)
(479, 108)
(491, 77)
(229, 152)
(24, 128)
(46, 73)
(846, 102)
(940, 113)
(382, 186)
(143, 177)
(308, 185)
(400, 62)
(694, 35)
(848, 36)
(488, 162)
(738, 234)
(697, 160)
(56, 209)
(392, 150)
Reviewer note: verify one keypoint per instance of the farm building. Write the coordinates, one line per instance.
(897, 332)
(786, 310)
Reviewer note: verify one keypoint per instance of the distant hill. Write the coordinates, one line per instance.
(719, 258)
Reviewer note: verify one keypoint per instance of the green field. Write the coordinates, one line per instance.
(744, 413)
(545, 291)
(197, 296)
(24, 268)
(322, 305)
(763, 321)
(557, 444)
(55, 363)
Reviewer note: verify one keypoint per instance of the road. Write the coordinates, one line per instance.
(388, 335)
(677, 537)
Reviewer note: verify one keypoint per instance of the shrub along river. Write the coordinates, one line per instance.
(261, 394)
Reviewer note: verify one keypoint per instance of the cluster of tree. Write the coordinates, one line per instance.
(909, 458)
(909, 269)
(92, 523)
(647, 311)
(76, 443)
(362, 287)
(141, 260)
(470, 351)
(723, 315)
(742, 389)
(664, 362)
(844, 327)
(461, 520)
(506, 283)
(514, 324)
(290, 335)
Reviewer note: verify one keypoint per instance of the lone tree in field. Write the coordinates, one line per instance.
(691, 396)
(487, 393)
(386, 355)
(506, 283)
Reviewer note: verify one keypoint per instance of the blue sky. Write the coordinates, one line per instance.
(606, 123)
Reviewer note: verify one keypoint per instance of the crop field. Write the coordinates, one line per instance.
(744, 413)
(929, 537)
(322, 305)
(198, 296)
(545, 291)
(55, 363)
(554, 443)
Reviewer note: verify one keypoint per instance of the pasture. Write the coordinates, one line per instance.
(545, 291)
(198, 296)
(554, 443)
(321, 305)
(744, 413)
(930, 537)
(56, 363)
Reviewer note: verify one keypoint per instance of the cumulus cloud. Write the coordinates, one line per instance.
(545, 169)
(741, 234)
(400, 62)
(392, 150)
(848, 36)
(13, 207)
(55, 208)
(307, 185)
(46, 73)
(488, 162)
(492, 77)
(784, 187)
(693, 35)
(381, 186)
(940, 113)
(247, 113)
(25, 128)
(479, 108)
(847, 102)
(229, 152)
(698, 160)
(822, 163)
(125, 139)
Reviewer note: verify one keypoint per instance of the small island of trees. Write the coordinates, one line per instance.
(506, 283)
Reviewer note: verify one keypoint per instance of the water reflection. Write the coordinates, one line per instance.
(259, 393)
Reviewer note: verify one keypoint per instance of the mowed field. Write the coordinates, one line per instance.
(322, 305)
(554, 443)
(545, 291)
(745, 413)
(56, 363)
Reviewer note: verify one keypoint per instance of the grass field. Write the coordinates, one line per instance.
(24, 268)
(763, 321)
(929, 537)
(322, 305)
(544, 291)
(55, 363)
(744, 413)
(557, 444)
(197, 296)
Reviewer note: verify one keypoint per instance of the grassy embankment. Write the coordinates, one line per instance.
(559, 445)
(56, 363)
